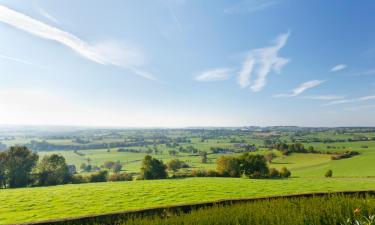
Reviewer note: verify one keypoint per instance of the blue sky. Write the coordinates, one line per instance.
(177, 63)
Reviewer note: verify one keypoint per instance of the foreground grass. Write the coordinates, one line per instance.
(295, 211)
(43, 203)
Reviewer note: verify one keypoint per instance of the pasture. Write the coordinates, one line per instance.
(36, 204)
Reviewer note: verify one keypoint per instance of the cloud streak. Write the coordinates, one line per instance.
(250, 6)
(13, 59)
(260, 62)
(217, 74)
(301, 88)
(353, 100)
(338, 67)
(102, 55)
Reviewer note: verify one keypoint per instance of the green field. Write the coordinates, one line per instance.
(43, 203)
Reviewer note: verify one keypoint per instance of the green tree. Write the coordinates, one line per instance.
(2, 170)
(254, 166)
(109, 164)
(117, 167)
(174, 165)
(52, 170)
(228, 166)
(19, 163)
(204, 157)
(153, 169)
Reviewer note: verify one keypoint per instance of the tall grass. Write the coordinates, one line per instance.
(323, 210)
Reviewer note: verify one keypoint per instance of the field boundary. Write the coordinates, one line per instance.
(184, 208)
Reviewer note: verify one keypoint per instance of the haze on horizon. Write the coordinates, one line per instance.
(187, 63)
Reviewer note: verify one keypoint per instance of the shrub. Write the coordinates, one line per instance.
(203, 173)
(284, 172)
(79, 179)
(120, 177)
(101, 176)
(274, 173)
(329, 173)
(174, 165)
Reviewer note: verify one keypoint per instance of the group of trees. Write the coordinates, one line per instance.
(19, 167)
(252, 166)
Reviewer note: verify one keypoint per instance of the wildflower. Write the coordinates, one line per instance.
(357, 211)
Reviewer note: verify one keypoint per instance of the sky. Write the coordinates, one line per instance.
(187, 63)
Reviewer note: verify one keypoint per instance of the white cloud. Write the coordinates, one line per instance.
(217, 74)
(338, 67)
(324, 97)
(260, 62)
(250, 6)
(360, 99)
(301, 88)
(103, 53)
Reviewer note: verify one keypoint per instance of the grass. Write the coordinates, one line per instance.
(295, 211)
(36, 204)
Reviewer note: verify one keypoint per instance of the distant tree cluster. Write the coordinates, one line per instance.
(344, 155)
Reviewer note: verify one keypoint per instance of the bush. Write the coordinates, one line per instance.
(79, 179)
(120, 177)
(274, 173)
(285, 173)
(203, 173)
(329, 173)
(174, 165)
(101, 176)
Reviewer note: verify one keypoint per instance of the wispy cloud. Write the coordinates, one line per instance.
(338, 67)
(301, 88)
(360, 99)
(324, 97)
(217, 74)
(13, 59)
(366, 72)
(47, 15)
(260, 62)
(250, 6)
(102, 53)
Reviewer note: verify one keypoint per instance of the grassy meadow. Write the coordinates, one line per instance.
(36, 204)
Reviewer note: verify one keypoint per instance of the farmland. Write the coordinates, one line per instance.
(35, 204)
(129, 147)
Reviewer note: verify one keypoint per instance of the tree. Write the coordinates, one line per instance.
(52, 170)
(152, 169)
(254, 166)
(19, 163)
(228, 166)
(204, 157)
(117, 167)
(329, 173)
(109, 164)
(2, 170)
(174, 165)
